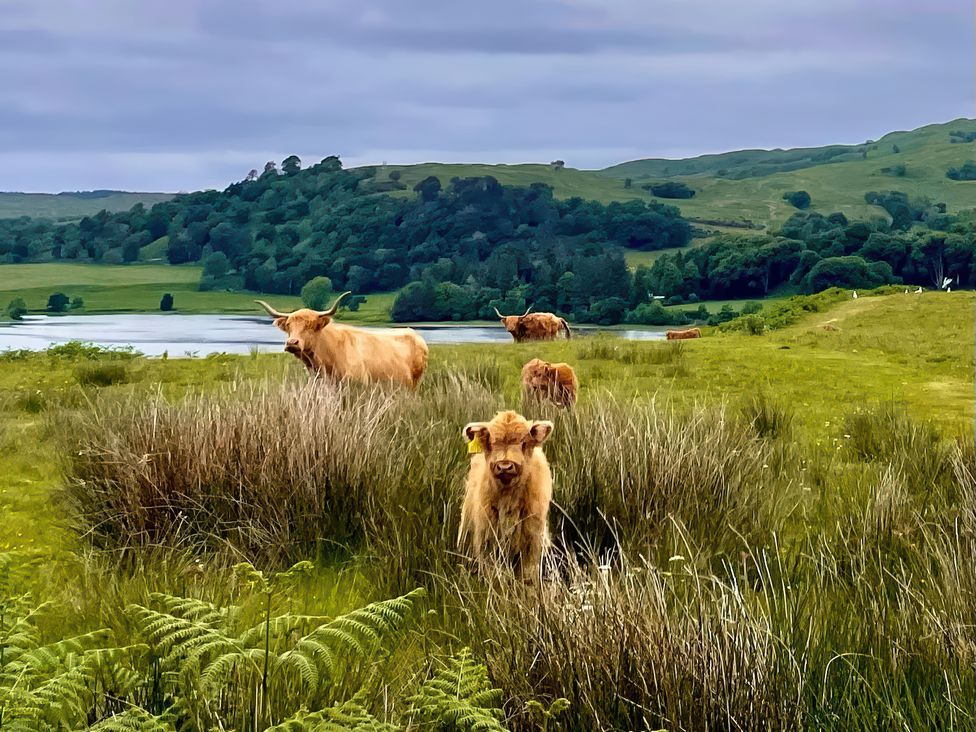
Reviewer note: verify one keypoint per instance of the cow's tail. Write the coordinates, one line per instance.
(565, 326)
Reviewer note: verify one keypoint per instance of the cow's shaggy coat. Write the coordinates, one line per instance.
(507, 494)
(555, 382)
(344, 352)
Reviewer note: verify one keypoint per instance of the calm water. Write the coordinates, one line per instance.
(180, 335)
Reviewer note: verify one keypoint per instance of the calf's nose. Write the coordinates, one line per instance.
(292, 343)
(505, 466)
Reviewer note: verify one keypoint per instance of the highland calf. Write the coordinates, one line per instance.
(680, 335)
(343, 352)
(507, 494)
(553, 381)
(534, 326)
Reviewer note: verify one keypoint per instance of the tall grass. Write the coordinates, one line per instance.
(701, 578)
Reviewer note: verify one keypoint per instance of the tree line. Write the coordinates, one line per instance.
(458, 251)
(812, 252)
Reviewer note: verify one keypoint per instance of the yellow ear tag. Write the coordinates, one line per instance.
(474, 446)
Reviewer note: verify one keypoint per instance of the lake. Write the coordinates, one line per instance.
(199, 335)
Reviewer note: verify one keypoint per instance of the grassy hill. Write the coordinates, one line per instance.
(72, 205)
(754, 181)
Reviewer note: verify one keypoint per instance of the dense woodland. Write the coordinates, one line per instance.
(457, 252)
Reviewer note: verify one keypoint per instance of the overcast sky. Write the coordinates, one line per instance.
(181, 95)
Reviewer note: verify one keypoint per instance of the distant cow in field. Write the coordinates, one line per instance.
(534, 326)
(553, 381)
(343, 352)
(680, 335)
(507, 493)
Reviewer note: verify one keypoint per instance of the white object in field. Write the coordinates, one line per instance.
(948, 289)
(906, 290)
(946, 281)
(919, 290)
(855, 294)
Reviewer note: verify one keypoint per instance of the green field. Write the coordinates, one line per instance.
(838, 186)
(138, 288)
(68, 206)
(782, 526)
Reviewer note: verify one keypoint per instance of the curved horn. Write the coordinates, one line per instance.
(271, 311)
(498, 313)
(526, 312)
(335, 305)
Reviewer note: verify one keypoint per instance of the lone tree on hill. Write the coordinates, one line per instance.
(291, 165)
(558, 164)
(166, 303)
(799, 199)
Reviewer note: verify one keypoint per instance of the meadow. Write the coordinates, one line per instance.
(773, 531)
(138, 288)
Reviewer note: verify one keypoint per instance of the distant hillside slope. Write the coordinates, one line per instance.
(748, 185)
(71, 205)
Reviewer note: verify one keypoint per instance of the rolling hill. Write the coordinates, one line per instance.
(742, 187)
(72, 205)
(748, 185)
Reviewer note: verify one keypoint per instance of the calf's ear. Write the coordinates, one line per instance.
(540, 430)
(322, 321)
(280, 322)
(475, 429)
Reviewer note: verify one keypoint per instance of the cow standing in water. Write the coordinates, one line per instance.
(534, 326)
(343, 352)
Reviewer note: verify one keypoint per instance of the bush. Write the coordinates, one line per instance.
(751, 307)
(166, 303)
(898, 171)
(58, 302)
(754, 324)
(848, 272)
(17, 309)
(726, 314)
(670, 189)
(967, 171)
(77, 303)
(797, 199)
(103, 374)
(317, 292)
(654, 313)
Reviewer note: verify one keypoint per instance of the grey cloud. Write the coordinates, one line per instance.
(188, 94)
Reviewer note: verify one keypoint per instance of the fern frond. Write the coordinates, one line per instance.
(24, 666)
(459, 696)
(348, 717)
(281, 627)
(135, 719)
(191, 609)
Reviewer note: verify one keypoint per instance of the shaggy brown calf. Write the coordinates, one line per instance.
(344, 352)
(680, 335)
(534, 326)
(553, 381)
(507, 493)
